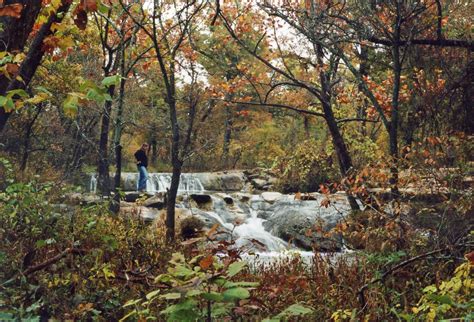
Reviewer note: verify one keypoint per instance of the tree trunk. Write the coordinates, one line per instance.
(154, 151)
(345, 161)
(177, 165)
(103, 182)
(227, 137)
(35, 53)
(393, 130)
(171, 201)
(26, 142)
(118, 133)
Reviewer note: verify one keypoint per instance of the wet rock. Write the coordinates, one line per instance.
(131, 196)
(227, 199)
(156, 201)
(77, 198)
(242, 197)
(271, 197)
(129, 181)
(233, 181)
(294, 225)
(125, 204)
(222, 181)
(201, 198)
(259, 183)
(191, 227)
(145, 213)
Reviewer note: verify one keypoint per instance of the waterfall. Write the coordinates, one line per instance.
(159, 182)
(252, 231)
(266, 223)
(93, 184)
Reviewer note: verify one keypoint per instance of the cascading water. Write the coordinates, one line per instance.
(252, 231)
(93, 184)
(255, 222)
(160, 182)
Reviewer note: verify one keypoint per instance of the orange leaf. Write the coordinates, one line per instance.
(12, 10)
(206, 262)
(90, 5)
(325, 202)
(213, 230)
(12, 69)
(470, 257)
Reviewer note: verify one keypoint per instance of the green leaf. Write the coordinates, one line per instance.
(111, 80)
(129, 314)
(441, 299)
(171, 296)
(17, 92)
(213, 296)
(235, 268)
(295, 309)
(40, 243)
(193, 293)
(151, 295)
(102, 8)
(3, 101)
(132, 302)
(241, 284)
(70, 105)
(181, 271)
(43, 90)
(236, 293)
(9, 105)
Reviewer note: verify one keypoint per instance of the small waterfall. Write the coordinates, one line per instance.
(159, 182)
(252, 231)
(93, 184)
(265, 224)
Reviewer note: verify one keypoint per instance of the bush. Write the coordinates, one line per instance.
(305, 169)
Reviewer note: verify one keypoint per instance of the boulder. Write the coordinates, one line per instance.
(242, 197)
(129, 181)
(259, 183)
(77, 198)
(201, 198)
(294, 224)
(156, 201)
(222, 181)
(131, 196)
(145, 213)
(233, 181)
(227, 199)
(271, 197)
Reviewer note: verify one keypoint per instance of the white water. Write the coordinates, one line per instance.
(156, 182)
(242, 218)
(159, 182)
(253, 232)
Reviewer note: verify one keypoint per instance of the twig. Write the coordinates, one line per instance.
(53, 260)
(360, 293)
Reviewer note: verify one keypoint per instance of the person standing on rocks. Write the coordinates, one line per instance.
(142, 163)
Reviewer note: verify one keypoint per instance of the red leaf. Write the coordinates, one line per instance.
(90, 5)
(206, 262)
(81, 18)
(12, 10)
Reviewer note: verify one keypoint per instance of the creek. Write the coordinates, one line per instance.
(265, 223)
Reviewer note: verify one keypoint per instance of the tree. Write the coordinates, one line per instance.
(324, 64)
(168, 26)
(18, 25)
